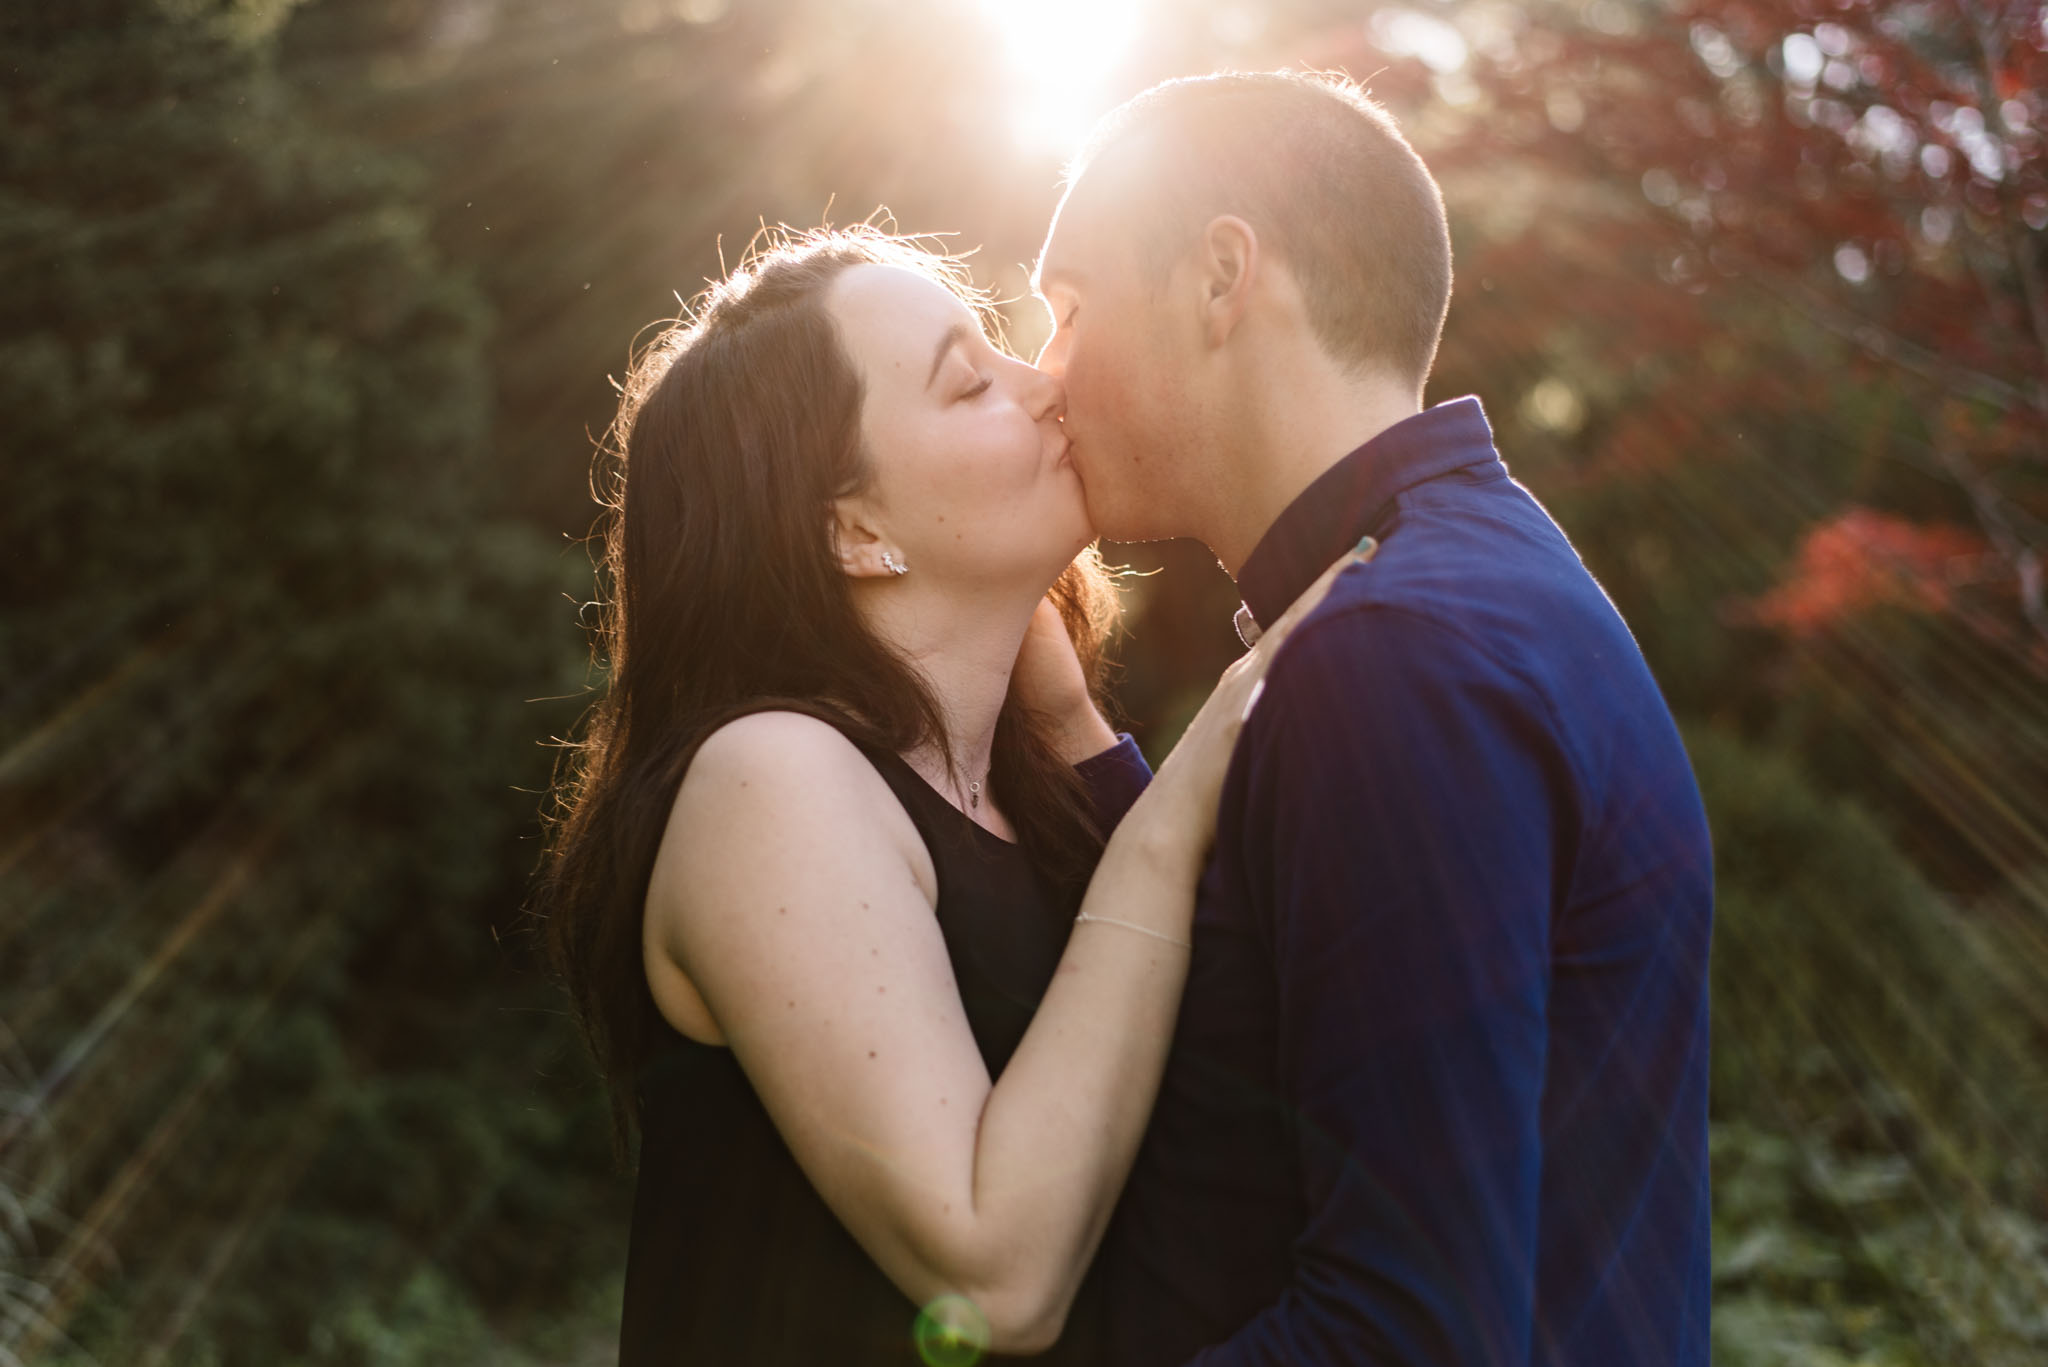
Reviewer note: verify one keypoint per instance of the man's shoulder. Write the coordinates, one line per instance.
(1453, 615)
(1403, 614)
(1488, 542)
(1489, 572)
(1366, 665)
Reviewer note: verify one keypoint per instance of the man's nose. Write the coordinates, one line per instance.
(1052, 357)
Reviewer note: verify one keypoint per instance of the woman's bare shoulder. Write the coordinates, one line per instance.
(773, 785)
(770, 743)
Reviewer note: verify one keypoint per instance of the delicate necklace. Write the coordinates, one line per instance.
(961, 784)
(974, 790)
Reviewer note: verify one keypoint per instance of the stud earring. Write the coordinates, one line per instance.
(893, 565)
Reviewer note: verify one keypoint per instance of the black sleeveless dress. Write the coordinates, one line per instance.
(735, 1259)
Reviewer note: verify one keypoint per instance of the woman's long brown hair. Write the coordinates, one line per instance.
(738, 428)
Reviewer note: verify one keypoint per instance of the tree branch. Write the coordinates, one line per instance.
(2025, 263)
(1993, 515)
(1885, 345)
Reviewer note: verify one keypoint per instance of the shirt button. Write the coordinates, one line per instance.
(1248, 629)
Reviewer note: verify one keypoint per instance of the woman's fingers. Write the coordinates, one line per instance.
(1313, 595)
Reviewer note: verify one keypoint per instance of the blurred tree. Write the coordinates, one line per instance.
(264, 637)
(1762, 286)
(1875, 168)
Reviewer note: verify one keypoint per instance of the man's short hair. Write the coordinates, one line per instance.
(1324, 176)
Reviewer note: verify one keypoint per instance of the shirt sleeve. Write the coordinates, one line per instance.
(1114, 779)
(1405, 802)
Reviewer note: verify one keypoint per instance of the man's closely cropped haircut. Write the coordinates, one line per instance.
(1323, 175)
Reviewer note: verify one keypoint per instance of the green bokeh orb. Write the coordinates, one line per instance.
(951, 1332)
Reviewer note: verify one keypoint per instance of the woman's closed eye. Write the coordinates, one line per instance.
(979, 387)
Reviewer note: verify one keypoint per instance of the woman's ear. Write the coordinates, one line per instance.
(864, 553)
(1226, 266)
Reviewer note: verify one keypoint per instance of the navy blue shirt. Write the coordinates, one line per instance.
(1438, 1089)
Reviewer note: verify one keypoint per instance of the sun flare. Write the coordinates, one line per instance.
(1060, 54)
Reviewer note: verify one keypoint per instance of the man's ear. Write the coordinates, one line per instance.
(857, 537)
(1227, 264)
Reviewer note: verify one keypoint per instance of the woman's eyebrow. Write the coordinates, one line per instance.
(952, 337)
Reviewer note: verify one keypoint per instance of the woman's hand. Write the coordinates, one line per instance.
(1184, 794)
(1048, 680)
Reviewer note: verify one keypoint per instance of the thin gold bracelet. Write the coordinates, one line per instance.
(1133, 925)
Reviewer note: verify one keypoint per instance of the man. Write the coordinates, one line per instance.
(1438, 1093)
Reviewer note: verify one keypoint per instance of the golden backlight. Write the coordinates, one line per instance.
(1060, 54)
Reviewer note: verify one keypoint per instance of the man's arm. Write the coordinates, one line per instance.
(1114, 778)
(1408, 803)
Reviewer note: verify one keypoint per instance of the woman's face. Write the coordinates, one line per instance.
(972, 484)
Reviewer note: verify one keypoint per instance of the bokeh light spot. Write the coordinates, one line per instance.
(951, 1332)
(1410, 33)
(1803, 60)
(1555, 406)
(1851, 263)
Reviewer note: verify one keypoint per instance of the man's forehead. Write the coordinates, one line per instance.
(1072, 244)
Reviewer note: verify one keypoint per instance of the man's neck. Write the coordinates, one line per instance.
(1286, 444)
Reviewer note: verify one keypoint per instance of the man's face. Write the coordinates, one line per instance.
(1128, 414)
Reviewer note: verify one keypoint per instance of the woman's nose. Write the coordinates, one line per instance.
(1046, 395)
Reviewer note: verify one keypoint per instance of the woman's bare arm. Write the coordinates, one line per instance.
(795, 895)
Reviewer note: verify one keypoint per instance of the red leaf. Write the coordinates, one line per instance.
(1863, 559)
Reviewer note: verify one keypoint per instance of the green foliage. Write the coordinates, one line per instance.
(1821, 1258)
(1880, 1094)
(267, 635)
(1857, 996)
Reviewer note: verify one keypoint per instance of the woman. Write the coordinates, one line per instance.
(815, 886)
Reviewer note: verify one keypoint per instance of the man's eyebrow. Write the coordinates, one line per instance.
(1044, 278)
(954, 335)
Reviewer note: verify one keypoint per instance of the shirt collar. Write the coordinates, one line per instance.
(1350, 499)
